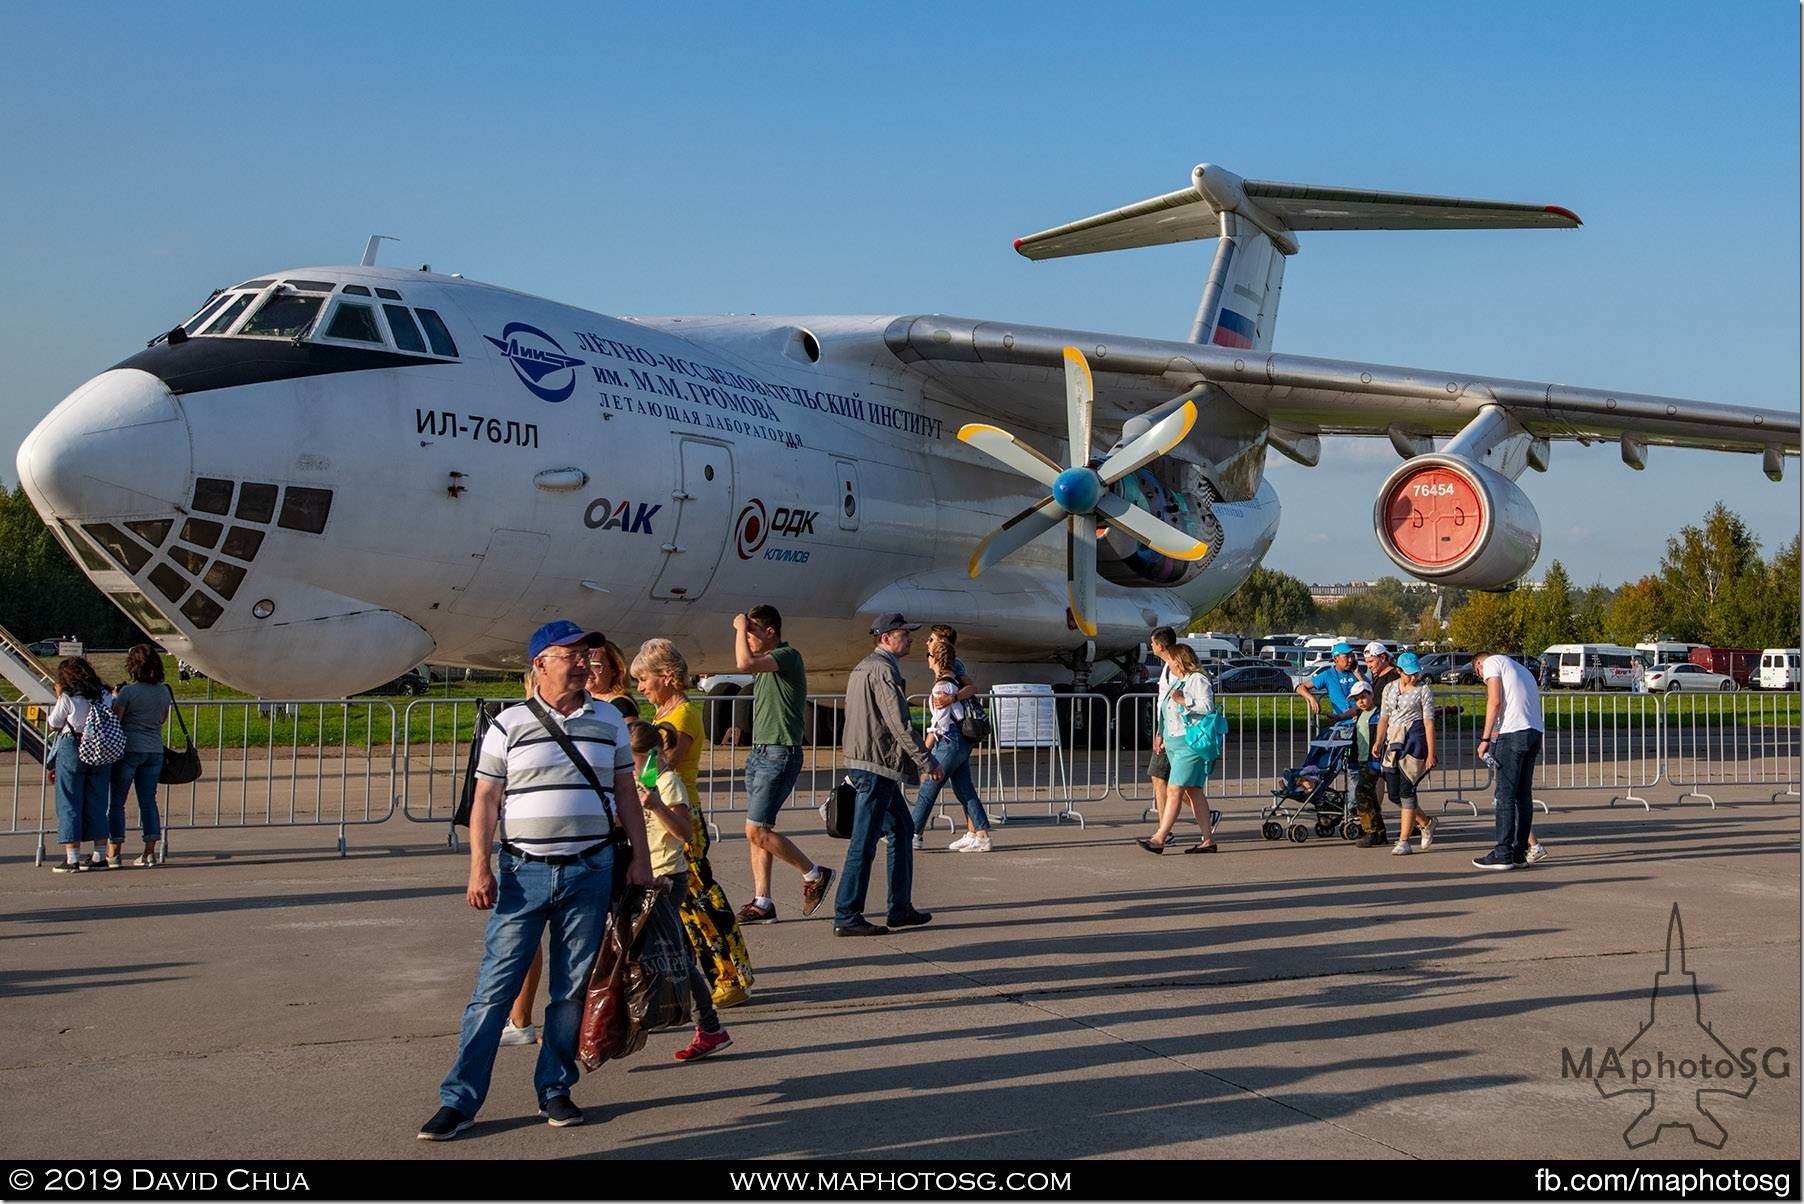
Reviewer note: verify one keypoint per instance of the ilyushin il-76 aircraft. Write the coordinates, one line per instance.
(328, 475)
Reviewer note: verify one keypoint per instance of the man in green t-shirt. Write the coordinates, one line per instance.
(779, 698)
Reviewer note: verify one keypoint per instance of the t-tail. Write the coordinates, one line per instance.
(1256, 221)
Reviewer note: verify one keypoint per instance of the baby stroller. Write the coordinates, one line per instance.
(1316, 793)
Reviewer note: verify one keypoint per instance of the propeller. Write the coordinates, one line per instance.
(1080, 495)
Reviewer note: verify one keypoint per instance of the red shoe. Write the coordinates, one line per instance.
(703, 1045)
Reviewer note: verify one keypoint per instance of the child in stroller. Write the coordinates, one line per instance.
(1316, 789)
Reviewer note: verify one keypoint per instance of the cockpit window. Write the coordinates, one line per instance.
(256, 284)
(311, 286)
(212, 307)
(407, 334)
(354, 322)
(230, 314)
(285, 315)
(435, 330)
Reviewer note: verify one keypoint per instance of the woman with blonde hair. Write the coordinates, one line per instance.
(1186, 696)
(663, 677)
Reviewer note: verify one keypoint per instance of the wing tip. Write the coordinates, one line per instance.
(1562, 211)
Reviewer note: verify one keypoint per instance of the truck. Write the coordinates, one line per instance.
(1740, 663)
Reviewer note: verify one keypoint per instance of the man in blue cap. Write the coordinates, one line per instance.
(560, 830)
(1336, 681)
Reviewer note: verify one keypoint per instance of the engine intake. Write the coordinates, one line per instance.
(1449, 520)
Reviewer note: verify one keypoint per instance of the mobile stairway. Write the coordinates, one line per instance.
(35, 685)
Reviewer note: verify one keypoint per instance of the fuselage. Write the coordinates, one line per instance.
(430, 468)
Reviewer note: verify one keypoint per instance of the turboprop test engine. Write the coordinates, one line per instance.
(1449, 520)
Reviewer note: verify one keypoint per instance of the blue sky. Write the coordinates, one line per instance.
(791, 158)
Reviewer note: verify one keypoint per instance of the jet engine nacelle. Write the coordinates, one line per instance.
(1449, 520)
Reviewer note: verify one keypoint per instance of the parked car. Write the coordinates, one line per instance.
(412, 683)
(42, 648)
(1447, 668)
(1687, 677)
(1254, 679)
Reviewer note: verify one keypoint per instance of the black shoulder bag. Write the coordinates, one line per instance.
(467, 798)
(623, 849)
(179, 768)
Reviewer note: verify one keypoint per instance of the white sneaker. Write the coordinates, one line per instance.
(1537, 852)
(510, 1035)
(962, 843)
(979, 843)
(919, 842)
(1428, 835)
(1401, 848)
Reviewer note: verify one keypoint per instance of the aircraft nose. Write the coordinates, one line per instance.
(117, 445)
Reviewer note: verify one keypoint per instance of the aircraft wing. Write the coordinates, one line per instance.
(1015, 369)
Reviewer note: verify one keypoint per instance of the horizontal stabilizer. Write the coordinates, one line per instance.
(1279, 209)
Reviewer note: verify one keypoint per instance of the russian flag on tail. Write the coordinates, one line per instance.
(1232, 330)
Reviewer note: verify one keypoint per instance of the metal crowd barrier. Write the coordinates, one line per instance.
(252, 758)
(1048, 749)
(1606, 740)
(1742, 738)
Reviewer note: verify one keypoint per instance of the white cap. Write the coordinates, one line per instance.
(1359, 687)
(1376, 649)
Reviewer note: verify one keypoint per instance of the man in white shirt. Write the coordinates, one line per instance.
(1512, 735)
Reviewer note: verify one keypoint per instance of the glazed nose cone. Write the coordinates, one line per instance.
(117, 446)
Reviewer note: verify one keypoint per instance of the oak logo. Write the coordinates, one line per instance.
(755, 525)
(604, 515)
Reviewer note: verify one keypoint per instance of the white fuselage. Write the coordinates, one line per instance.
(648, 478)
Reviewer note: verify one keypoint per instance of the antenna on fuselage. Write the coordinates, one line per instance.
(369, 248)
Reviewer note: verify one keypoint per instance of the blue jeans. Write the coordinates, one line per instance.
(82, 794)
(530, 896)
(953, 752)
(139, 769)
(771, 773)
(878, 810)
(1516, 753)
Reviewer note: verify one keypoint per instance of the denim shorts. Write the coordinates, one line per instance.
(770, 774)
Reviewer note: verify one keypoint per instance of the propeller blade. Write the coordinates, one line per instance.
(1079, 395)
(1017, 533)
(1164, 435)
(1080, 571)
(1155, 533)
(998, 444)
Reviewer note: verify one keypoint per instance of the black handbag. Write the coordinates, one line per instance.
(179, 768)
(839, 810)
(975, 726)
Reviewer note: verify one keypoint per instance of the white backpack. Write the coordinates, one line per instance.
(102, 739)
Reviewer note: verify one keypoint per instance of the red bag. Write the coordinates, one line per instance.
(607, 1030)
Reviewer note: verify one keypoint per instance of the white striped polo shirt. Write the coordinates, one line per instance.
(548, 807)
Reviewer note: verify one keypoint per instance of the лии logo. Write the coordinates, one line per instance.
(538, 359)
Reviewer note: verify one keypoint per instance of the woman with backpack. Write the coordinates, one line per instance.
(948, 744)
(1185, 695)
(83, 788)
(141, 704)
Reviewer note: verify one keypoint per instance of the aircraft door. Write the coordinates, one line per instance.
(704, 519)
(508, 566)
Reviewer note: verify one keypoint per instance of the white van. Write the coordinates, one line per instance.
(1594, 666)
(1665, 652)
(1210, 648)
(1780, 669)
(1291, 656)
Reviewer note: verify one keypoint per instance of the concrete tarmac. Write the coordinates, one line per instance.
(261, 997)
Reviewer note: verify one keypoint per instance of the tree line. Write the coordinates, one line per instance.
(1712, 587)
(43, 594)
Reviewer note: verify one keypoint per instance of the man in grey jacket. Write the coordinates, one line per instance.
(882, 752)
